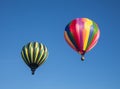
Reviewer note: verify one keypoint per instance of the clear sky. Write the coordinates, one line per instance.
(22, 21)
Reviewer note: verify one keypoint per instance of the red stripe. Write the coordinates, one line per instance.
(75, 33)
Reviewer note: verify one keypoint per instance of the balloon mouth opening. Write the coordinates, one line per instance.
(33, 71)
(82, 55)
(33, 67)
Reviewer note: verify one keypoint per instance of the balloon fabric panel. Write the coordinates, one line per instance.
(82, 34)
(34, 54)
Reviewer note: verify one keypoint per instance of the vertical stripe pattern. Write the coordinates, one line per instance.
(34, 54)
(82, 34)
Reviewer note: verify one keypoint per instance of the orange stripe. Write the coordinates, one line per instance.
(69, 41)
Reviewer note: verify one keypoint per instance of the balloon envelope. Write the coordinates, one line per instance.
(34, 54)
(82, 34)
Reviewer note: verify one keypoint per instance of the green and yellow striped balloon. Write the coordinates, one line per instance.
(34, 54)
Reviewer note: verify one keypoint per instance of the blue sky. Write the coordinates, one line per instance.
(22, 21)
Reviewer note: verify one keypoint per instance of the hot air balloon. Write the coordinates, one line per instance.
(82, 35)
(34, 55)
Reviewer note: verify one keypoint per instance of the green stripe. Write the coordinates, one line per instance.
(94, 32)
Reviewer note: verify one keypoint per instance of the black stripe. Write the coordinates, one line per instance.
(24, 53)
(41, 60)
(29, 52)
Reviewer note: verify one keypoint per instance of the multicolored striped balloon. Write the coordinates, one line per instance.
(82, 34)
(34, 54)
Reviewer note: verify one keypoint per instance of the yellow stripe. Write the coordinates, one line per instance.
(45, 57)
(23, 56)
(41, 53)
(42, 50)
(37, 51)
(31, 52)
(86, 32)
(26, 53)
